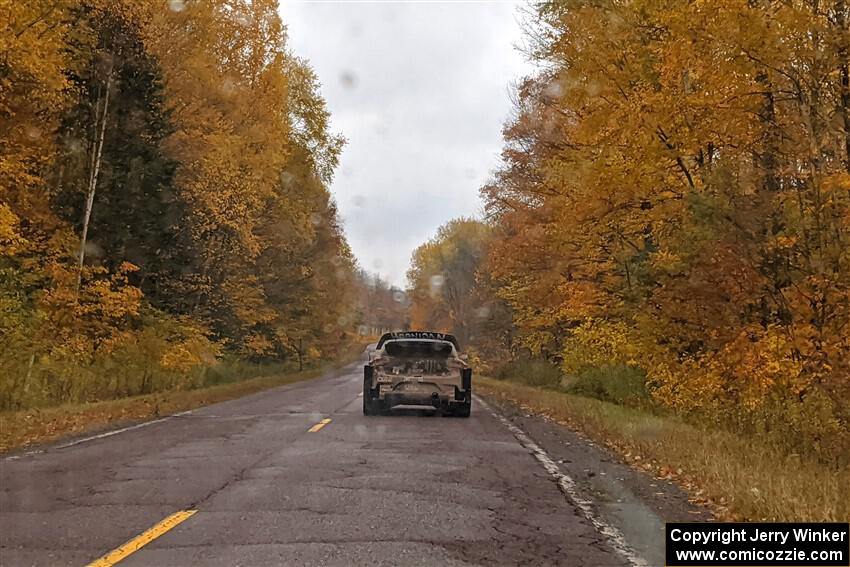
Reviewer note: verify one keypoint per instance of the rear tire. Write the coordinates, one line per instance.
(370, 404)
(463, 410)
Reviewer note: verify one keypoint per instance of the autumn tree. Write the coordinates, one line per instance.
(164, 198)
(443, 276)
(675, 194)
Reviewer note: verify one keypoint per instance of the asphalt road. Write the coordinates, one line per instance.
(270, 485)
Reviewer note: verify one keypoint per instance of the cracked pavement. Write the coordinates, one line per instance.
(402, 489)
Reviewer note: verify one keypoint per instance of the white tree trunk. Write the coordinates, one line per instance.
(96, 158)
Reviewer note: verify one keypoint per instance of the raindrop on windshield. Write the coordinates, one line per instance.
(228, 86)
(436, 284)
(74, 145)
(93, 249)
(348, 79)
(553, 91)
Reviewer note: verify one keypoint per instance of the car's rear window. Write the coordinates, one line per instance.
(426, 349)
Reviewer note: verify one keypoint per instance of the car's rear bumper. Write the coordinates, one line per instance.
(437, 400)
(406, 399)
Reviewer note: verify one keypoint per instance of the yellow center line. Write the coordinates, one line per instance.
(319, 425)
(142, 540)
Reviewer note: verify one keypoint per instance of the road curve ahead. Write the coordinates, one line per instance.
(296, 476)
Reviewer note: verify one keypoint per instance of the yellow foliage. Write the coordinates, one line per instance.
(10, 237)
(598, 342)
(257, 344)
(213, 179)
(745, 370)
(675, 196)
(190, 348)
(442, 278)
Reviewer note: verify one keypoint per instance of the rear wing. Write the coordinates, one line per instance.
(418, 335)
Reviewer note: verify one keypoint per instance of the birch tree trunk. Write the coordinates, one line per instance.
(96, 158)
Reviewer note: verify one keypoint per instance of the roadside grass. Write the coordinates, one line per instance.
(24, 428)
(737, 477)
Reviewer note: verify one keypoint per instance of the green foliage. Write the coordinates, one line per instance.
(618, 383)
(532, 372)
(166, 354)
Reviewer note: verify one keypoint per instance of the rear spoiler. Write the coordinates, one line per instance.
(418, 335)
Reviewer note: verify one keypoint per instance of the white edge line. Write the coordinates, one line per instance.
(96, 437)
(117, 431)
(568, 487)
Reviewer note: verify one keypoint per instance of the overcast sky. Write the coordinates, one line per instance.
(421, 91)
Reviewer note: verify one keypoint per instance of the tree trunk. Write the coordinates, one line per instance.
(768, 153)
(29, 374)
(300, 355)
(97, 152)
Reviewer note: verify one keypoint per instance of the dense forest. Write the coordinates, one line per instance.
(164, 204)
(670, 225)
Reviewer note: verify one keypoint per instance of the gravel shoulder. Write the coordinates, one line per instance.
(634, 502)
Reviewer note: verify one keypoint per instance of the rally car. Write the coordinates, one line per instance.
(417, 368)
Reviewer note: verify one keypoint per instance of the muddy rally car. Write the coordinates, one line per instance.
(417, 368)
